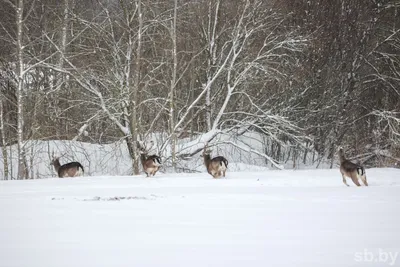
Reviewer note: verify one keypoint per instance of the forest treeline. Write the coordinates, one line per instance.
(308, 75)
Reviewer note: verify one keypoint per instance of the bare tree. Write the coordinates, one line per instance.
(3, 142)
(21, 71)
(241, 59)
(173, 86)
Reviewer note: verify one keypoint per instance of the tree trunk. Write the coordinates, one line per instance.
(134, 96)
(211, 61)
(22, 166)
(3, 143)
(172, 92)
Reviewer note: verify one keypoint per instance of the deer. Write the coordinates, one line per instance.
(71, 169)
(151, 164)
(216, 166)
(351, 170)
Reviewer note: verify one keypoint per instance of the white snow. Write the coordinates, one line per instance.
(270, 218)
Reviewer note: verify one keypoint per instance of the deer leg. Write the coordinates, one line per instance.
(344, 180)
(355, 180)
(76, 172)
(364, 180)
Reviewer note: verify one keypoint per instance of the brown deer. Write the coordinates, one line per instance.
(216, 166)
(151, 164)
(70, 169)
(351, 170)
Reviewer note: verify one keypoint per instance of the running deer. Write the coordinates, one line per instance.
(151, 164)
(71, 169)
(215, 166)
(351, 170)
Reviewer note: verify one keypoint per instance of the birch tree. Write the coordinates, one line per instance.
(211, 37)
(129, 14)
(21, 71)
(173, 86)
(3, 141)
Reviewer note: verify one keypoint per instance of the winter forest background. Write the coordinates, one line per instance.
(268, 83)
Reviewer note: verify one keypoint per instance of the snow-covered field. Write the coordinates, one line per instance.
(270, 218)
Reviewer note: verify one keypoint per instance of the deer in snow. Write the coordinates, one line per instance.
(216, 166)
(351, 170)
(71, 169)
(151, 164)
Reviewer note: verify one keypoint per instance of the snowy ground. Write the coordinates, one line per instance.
(271, 218)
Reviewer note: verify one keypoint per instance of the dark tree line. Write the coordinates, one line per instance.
(350, 71)
(308, 75)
